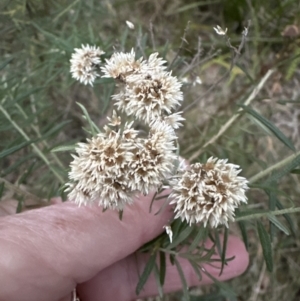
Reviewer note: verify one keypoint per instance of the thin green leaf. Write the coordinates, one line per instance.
(183, 235)
(272, 207)
(217, 241)
(121, 215)
(25, 95)
(157, 280)
(201, 235)
(266, 245)
(146, 273)
(295, 171)
(243, 229)
(273, 219)
(227, 291)
(185, 288)
(246, 72)
(172, 259)
(270, 126)
(224, 249)
(1, 189)
(54, 129)
(14, 149)
(93, 128)
(287, 218)
(63, 148)
(196, 269)
(162, 267)
(19, 207)
(282, 172)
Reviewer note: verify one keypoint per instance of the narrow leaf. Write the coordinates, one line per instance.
(181, 237)
(157, 280)
(284, 171)
(13, 149)
(287, 218)
(224, 249)
(270, 126)
(172, 259)
(243, 229)
(162, 267)
(272, 207)
(201, 235)
(273, 219)
(246, 72)
(146, 273)
(183, 281)
(63, 148)
(196, 269)
(1, 189)
(88, 118)
(19, 207)
(54, 129)
(266, 245)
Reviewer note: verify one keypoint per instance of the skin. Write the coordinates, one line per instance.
(47, 252)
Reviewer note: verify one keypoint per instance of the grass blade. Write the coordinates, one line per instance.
(285, 140)
(266, 245)
(146, 273)
(224, 249)
(162, 267)
(201, 235)
(243, 229)
(14, 149)
(183, 280)
(274, 221)
(287, 218)
(183, 235)
(93, 128)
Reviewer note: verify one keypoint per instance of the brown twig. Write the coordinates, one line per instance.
(235, 54)
(183, 40)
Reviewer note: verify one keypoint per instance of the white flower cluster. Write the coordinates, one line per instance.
(147, 91)
(114, 166)
(209, 193)
(117, 164)
(84, 63)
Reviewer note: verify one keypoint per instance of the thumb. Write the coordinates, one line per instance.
(46, 252)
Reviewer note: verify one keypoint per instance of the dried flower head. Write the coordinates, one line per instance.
(112, 167)
(99, 171)
(149, 97)
(209, 193)
(121, 64)
(153, 159)
(84, 63)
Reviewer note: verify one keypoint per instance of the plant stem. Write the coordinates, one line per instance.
(36, 129)
(36, 149)
(265, 172)
(275, 212)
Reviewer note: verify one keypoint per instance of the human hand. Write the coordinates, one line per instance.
(47, 252)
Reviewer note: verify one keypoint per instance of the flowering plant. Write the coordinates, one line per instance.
(120, 161)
